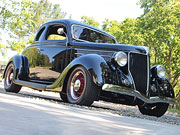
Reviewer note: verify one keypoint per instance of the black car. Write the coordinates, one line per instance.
(85, 64)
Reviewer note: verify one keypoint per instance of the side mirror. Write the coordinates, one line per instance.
(60, 31)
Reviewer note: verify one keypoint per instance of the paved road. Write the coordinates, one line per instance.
(31, 116)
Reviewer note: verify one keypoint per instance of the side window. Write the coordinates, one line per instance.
(39, 34)
(53, 34)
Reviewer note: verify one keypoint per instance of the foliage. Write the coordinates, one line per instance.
(37, 59)
(2, 46)
(174, 111)
(126, 32)
(148, 5)
(23, 18)
(56, 37)
(89, 21)
(159, 29)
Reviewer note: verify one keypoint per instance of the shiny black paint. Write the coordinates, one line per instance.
(92, 62)
(52, 60)
(58, 54)
(21, 67)
(162, 85)
(108, 47)
(46, 65)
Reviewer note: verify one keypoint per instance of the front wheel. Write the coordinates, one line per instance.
(9, 85)
(158, 109)
(80, 88)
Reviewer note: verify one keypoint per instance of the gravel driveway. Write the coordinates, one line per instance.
(122, 110)
(43, 113)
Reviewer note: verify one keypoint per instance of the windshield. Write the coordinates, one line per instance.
(86, 34)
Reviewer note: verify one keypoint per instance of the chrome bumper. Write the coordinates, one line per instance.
(135, 93)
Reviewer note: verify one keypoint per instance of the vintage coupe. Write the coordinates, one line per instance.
(85, 64)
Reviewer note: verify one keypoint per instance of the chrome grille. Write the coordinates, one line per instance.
(139, 69)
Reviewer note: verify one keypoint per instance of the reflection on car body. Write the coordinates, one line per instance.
(85, 64)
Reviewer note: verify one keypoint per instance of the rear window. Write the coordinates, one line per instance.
(39, 34)
(82, 33)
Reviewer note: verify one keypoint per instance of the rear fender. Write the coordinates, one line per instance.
(21, 67)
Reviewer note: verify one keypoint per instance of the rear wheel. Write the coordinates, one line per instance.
(157, 109)
(80, 88)
(9, 85)
(64, 97)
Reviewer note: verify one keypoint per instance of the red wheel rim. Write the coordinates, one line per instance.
(77, 85)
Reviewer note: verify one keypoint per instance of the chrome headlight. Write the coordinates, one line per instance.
(121, 58)
(161, 71)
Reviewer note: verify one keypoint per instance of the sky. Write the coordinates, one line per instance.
(101, 9)
(98, 9)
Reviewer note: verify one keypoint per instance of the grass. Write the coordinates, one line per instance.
(174, 111)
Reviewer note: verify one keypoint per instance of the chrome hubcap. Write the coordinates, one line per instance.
(77, 85)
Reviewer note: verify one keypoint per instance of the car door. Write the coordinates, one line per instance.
(48, 56)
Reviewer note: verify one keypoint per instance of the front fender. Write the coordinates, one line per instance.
(21, 67)
(92, 62)
(160, 86)
(163, 86)
(95, 64)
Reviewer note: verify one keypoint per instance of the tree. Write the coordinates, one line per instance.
(23, 18)
(126, 32)
(89, 21)
(148, 5)
(161, 29)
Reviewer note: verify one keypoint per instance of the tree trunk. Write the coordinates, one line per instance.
(169, 62)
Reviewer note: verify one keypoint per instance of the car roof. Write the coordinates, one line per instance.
(70, 22)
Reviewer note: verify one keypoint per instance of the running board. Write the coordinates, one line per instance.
(31, 84)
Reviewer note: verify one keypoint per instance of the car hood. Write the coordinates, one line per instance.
(112, 47)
